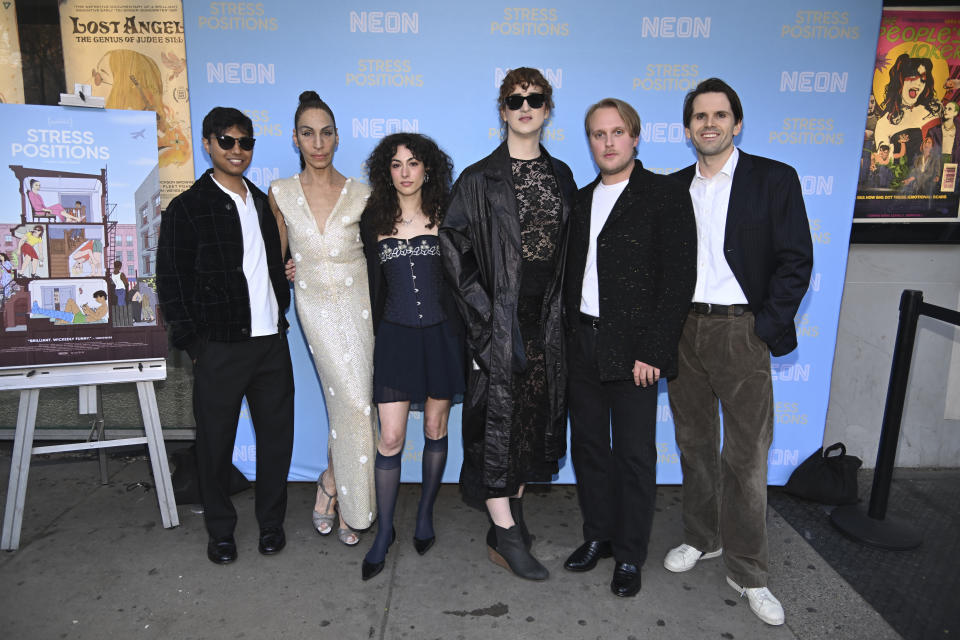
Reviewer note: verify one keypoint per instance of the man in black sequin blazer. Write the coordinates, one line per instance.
(631, 267)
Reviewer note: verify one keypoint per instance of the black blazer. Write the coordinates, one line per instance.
(200, 283)
(767, 244)
(646, 270)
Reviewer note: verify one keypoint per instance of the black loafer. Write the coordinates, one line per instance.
(586, 556)
(222, 550)
(422, 545)
(272, 540)
(626, 580)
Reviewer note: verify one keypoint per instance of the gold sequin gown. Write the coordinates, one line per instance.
(333, 306)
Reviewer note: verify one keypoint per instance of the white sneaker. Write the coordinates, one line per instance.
(684, 558)
(762, 603)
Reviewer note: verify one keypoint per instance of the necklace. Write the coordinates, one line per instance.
(403, 221)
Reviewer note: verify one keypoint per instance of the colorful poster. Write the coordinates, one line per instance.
(132, 54)
(908, 168)
(79, 193)
(11, 63)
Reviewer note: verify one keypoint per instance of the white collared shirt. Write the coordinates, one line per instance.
(716, 283)
(604, 197)
(264, 310)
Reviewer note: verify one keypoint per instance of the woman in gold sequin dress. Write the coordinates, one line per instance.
(318, 212)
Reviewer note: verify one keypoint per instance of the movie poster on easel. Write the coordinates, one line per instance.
(132, 53)
(79, 217)
(911, 150)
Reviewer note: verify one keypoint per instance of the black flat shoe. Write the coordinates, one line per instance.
(422, 545)
(371, 569)
(586, 555)
(272, 540)
(626, 580)
(222, 550)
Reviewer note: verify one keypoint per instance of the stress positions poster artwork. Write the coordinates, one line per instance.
(79, 209)
(908, 168)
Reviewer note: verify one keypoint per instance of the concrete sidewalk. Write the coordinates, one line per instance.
(94, 563)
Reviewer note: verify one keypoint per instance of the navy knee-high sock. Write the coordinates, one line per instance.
(434, 461)
(386, 477)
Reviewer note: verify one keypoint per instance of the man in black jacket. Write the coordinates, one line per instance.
(755, 257)
(631, 265)
(223, 293)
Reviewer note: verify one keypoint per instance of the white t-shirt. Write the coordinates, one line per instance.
(264, 310)
(604, 197)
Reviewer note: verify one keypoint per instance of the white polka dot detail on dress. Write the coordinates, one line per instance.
(302, 284)
(345, 219)
(363, 459)
(297, 257)
(300, 201)
(348, 281)
(364, 314)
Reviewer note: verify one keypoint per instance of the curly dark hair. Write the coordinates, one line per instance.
(383, 207)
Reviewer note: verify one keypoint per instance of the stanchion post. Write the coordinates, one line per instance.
(910, 303)
(872, 527)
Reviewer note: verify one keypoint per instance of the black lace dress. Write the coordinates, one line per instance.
(540, 207)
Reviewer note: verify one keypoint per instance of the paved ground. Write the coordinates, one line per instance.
(95, 563)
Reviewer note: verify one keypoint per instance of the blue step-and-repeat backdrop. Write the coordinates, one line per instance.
(803, 71)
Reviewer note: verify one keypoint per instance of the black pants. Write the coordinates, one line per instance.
(225, 372)
(616, 477)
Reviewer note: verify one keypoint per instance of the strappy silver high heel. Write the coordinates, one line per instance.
(324, 522)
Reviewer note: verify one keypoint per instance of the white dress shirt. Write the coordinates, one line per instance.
(604, 197)
(716, 283)
(264, 310)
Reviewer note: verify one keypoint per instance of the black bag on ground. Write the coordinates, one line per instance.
(825, 478)
(186, 485)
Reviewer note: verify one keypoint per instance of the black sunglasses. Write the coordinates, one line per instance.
(515, 101)
(226, 142)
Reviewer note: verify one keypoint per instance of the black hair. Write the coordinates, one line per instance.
(311, 100)
(222, 118)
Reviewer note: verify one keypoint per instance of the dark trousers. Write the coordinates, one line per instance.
(725, 490)
(613, 446)
(225, 372)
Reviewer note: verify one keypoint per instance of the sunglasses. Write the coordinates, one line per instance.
(226, 142)
(515, 101)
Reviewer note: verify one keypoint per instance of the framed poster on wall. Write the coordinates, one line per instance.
(907, 189)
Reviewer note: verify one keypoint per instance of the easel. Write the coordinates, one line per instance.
(86, 376)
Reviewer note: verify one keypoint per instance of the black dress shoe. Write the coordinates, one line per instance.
(272, 540)
(586, 555)
(626, 580)
(222, 550)
(422, 545)
(371, 569)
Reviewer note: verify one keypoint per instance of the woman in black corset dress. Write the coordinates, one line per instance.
(503, 247)
(418, 357)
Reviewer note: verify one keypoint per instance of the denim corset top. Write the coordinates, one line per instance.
(413, 272)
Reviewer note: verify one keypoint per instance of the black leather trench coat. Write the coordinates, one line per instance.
(480, 243)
